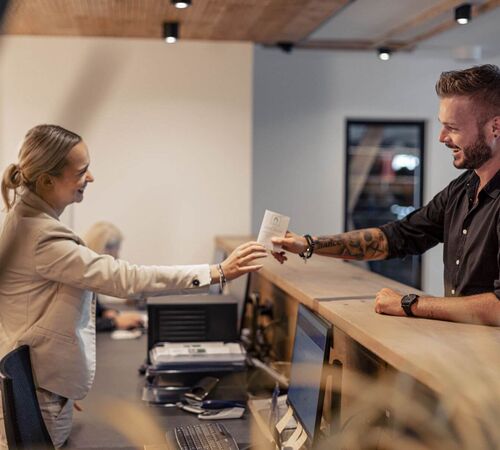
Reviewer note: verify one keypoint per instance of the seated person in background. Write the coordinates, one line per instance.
(105, 238)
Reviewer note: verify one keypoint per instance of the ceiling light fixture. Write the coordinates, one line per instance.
(170, 32)
(463, 13)
(181, 4)
(287, 47)
(384, 53)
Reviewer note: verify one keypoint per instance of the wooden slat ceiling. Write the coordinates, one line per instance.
(261, 21)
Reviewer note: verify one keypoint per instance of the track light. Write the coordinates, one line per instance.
(384, 53)
(181, 4)
(287, 47)
(463, 13)
(170, 32)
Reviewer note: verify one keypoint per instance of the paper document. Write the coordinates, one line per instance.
(273, 225)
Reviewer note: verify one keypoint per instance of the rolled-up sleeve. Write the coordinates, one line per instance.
(419, 231)
(59, 257)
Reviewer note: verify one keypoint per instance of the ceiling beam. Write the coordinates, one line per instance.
(409, 45)
(419, 20)
(353, 44)
(477, 10)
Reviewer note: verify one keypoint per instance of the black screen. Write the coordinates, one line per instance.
(310, 351)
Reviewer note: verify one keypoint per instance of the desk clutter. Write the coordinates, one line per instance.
(207, 377)
(196, 362)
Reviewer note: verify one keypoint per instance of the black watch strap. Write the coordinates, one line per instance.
(406, 303)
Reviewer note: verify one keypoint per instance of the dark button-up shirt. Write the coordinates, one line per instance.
(470, 232)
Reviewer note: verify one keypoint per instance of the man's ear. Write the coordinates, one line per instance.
(495, 126)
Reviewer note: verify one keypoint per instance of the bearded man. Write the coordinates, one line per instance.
(464, 216)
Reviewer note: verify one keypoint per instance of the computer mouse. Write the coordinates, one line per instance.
(226, 413)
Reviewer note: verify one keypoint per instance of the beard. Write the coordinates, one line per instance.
(474, 155)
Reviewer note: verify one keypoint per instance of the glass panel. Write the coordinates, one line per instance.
(384, 183)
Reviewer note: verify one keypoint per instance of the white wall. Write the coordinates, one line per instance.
(301, 102)
(168, 127)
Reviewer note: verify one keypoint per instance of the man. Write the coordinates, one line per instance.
(465, 215)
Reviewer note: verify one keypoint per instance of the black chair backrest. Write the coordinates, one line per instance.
(24, 425)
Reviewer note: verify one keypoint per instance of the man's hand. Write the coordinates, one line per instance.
(388, 301)
(292, 243)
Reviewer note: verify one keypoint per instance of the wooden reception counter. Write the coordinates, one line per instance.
(428, 362)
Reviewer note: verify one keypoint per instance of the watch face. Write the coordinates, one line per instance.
(409, 299)
(406, 303)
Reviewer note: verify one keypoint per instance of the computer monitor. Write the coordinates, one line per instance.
(311, 347)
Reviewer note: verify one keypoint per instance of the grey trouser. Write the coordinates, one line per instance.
(57, 413)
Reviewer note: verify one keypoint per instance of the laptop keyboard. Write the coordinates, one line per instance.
(205, 436)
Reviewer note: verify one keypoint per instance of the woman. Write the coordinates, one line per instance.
(47, 274)
(105, 238)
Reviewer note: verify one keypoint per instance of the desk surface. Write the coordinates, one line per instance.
(320, 278)
(114, 416)
(442, 355)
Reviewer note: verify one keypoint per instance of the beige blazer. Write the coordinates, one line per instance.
(47, 277)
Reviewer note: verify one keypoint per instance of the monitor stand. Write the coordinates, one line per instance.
(298, 437)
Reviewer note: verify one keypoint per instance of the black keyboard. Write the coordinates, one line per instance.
(205, 436)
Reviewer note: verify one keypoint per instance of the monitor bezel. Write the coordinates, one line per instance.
(326, 356)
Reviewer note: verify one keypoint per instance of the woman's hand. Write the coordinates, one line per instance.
(239, 261)
(292, 243)
(128, 321)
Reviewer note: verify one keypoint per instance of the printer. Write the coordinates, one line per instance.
(191, 337)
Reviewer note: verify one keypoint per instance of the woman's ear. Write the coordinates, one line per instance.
(45, 182)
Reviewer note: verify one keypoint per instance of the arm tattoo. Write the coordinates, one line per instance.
(370, 243)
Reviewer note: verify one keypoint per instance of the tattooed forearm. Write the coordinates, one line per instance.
(366, 244)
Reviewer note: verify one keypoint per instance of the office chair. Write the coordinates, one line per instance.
(24, 425)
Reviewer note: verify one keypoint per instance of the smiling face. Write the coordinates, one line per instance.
(69, 187)
(462, 133)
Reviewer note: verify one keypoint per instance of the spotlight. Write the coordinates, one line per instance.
(384, 53)
(181, 4)
(463, 13)
(287, 47)
(170, 32)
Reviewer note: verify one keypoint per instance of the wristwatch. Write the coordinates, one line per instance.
(406, 303)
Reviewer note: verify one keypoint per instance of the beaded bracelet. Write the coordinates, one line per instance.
(310, 248)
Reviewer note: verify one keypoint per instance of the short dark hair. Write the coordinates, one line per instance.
(480, 83)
